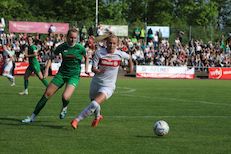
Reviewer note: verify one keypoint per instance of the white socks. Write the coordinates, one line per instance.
(93, 107)
(32, 117)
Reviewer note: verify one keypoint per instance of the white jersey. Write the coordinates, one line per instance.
(110, 62)
(8, 54)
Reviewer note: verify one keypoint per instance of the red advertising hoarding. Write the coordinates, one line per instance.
(20, 67)
(36, 27)
(219, 73)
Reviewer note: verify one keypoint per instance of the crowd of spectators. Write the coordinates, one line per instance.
(153, 50)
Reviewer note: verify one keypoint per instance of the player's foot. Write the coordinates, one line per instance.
(23, 93)
(96, 121)
(63, 113)
(13, 84)
(27, 120)
(74, 124)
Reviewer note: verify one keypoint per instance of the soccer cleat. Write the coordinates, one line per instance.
(63, 113)
(13, 84)
(27, 120)
(74, 124)
(96, 121)
(23, 93)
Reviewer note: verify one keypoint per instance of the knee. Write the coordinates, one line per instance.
(26, 77)
(48, 93)
(41, 77)
(65, 97)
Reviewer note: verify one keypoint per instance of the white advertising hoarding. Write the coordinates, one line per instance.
(165, 30)
(119, 30)
(164, 72)
(55, 68)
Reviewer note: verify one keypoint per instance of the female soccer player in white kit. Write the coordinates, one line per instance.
(106, 63)
(8, 54)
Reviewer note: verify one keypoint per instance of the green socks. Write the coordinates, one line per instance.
(45, 82)
(40, 105)
(26, 82)
(65, 102)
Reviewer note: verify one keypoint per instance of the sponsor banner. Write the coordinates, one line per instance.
(219, 73)
(36, 27)
(119, 30)
(55, 68)
(164, 72)
(164, 30)
(20, 67)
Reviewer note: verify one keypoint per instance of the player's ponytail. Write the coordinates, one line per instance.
(106, 36)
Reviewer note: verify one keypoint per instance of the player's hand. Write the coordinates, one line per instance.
(99, 71)
(88, 73)
(129, 71)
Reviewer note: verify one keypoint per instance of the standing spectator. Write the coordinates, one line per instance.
(142, 35)
(156, 41)
(51, 30)
(2, 25)
(137, 33)
(83, 34)
(150, 35)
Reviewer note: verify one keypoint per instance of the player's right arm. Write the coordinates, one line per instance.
(35, 52)
(95, 69)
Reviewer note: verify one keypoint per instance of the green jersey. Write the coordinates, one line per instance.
(71, 59)
(31, 50)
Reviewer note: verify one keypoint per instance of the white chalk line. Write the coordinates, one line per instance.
(127, 116)
(177, 99)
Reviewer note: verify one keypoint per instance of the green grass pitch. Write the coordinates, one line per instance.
(197, 111)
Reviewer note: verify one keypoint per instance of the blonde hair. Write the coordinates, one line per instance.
(72, 30)
(106, 37)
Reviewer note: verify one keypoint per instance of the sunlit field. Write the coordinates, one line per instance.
(197, 111)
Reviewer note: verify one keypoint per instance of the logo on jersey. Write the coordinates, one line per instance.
(110, 62)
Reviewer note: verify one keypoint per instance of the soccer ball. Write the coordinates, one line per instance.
(161, 128)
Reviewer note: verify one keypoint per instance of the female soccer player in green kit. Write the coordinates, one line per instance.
(69, 74)
(34, 66)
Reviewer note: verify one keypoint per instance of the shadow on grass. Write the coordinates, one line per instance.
(146, 136)
(17, 122)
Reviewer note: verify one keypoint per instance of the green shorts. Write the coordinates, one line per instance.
(59, 80)
(34, 68)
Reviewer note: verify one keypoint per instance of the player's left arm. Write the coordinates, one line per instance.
(86, 58)
(46, 71)
(130, 65)
(130, 62)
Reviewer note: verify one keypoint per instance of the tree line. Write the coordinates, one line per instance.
(173, 13)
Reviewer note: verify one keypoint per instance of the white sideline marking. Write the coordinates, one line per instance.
(182, 100)
(131, 117)
(128, 90)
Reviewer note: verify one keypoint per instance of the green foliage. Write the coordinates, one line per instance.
(156, 15)
(113, 14)
(12, 9)
(179, 14)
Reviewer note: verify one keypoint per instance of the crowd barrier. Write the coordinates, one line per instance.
(144, 71)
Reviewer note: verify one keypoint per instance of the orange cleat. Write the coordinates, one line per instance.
(74, 124)
(96, 121)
